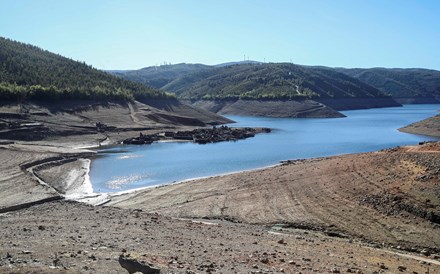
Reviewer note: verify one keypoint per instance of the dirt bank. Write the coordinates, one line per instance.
(37, 121)
(20, 187)
(359, 103)
(277, 109)
(430, 127)
(389, 197)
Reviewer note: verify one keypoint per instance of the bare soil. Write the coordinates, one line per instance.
(390, 197)
(69, 237)
(429, 126)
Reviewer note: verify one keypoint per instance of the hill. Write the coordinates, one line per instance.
(400, 83)
(263, 89)
(159, 76)
(45, 96)
(28, 72)
(269, 81)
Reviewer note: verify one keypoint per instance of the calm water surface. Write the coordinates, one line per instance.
(128, 167)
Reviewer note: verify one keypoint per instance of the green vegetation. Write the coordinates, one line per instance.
(159, 76)
(30, 73)
(254, 81)
(269, 81)
(412, 82)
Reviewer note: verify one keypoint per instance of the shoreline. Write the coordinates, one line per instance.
(132, 192)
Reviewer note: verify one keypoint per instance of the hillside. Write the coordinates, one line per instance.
(264, 89)
(269, 81)
(159, 76)
(28, 72)
(44, 96)
(400, 83)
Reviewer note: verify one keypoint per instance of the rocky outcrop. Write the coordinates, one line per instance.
(200, 136)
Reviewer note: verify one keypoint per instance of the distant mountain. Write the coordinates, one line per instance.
(269, 81)
(28, 72)
(400, 83)
(159, 76)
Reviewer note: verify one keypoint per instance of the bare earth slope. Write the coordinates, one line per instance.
(270, 108)
(389, 197)
(19, 187)
(430, 127)
(38, 121)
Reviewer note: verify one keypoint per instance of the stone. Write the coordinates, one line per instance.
(133, 266)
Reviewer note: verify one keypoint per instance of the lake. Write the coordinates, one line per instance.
(128, 167)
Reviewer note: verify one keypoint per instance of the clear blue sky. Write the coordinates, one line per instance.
(131, 34)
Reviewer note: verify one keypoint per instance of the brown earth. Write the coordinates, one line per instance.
(267, 108)
(389, 197)
(306, 216)
(429, 126)
(68, 237)
(36, 121)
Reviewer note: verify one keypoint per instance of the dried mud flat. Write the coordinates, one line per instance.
(364, 213)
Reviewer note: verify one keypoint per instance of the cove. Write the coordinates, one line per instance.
(126, 167)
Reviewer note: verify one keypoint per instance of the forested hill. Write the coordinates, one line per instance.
(28, 72)
(412, 82)
(159, 76)
(270, 81)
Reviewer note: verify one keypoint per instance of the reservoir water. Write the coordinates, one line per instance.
(128, 167)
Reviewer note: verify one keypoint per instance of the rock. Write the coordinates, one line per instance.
(200, 136)
(401, 268)
(281, 242)
(133, 266)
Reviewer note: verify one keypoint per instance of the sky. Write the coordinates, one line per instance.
(132, 34)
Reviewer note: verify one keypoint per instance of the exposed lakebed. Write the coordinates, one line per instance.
(128, 167)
